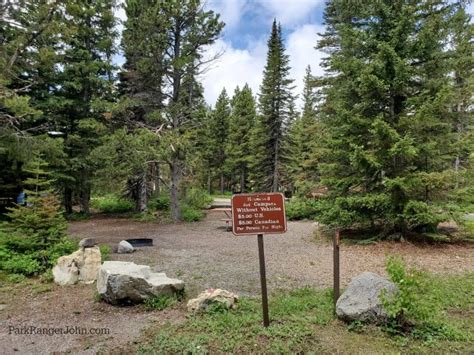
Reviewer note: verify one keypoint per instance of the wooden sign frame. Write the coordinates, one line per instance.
(272, 200)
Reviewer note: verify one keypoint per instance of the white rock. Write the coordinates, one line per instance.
(125, 282)
(125, 247)
(80, 266)
(213, 296)
(2, 307)
(361, 300)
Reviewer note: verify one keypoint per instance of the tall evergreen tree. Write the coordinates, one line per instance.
(462, 68)
(303, 142)
(163, 45)
(275, 100)
(242, 120)
(83, 91)
(389, 145)
(218, 132)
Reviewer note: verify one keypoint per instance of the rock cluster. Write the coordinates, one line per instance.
(80, 266)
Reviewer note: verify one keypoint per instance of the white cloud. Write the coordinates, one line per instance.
(234, 67)
(290, 12)
(231, 11)
(300, 47)
(240, 66)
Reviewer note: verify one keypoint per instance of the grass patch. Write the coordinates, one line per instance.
(294, 315)
(162, 302)
(302, 321)
(104, 252)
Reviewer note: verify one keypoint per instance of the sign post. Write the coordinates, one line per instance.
(336, 271)
(263, 281)
(259, 214)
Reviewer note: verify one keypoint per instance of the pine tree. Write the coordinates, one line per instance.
(218, 132)
(40, 219)
(303, 142)
(242, 121)
(388, 145)
(462, 67)
(26, 56)
(86, 90)
(163, 44)
(274, 114)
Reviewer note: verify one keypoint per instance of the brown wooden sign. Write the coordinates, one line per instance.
(258, 213)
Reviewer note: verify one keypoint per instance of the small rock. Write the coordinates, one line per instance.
(125, 247)
(361, 300)
(80, 266)
(121, 282)
(449, 227)
(87, 243)
(213, 296)
(2, 307)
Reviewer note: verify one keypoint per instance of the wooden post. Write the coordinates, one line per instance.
(336, 280)
(263, 281)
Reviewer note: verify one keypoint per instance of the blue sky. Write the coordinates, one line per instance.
(243, 42)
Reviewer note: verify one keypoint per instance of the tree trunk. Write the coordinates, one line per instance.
(242, 180)
(68, 200)
(84, 200)
(174, 189)
(222, 183)
(275, 170)
(209, 182)
(157, 179)
(142, 194)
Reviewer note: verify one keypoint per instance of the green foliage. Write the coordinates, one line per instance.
(112, 204)
(241, 124)
(191, 214)
(161, 302)
(276, 106)
(25, 254)
(160, 203)
(197, 198)
(105, 251)
(300, 208)
(16, 278)
(21, 264)
(389, 142)
(421, 305)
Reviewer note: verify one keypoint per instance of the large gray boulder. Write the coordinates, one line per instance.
(361, 300)
(80, 266)
(122, 282)
(125, 247)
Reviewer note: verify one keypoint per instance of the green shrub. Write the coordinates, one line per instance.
(191, 214)
(160, 203)
(299, 208)
(197, 198)
(419, 308)
(21, 264)
(112, 204)
(24, 254)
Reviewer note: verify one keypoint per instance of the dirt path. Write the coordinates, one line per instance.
(203, 255)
